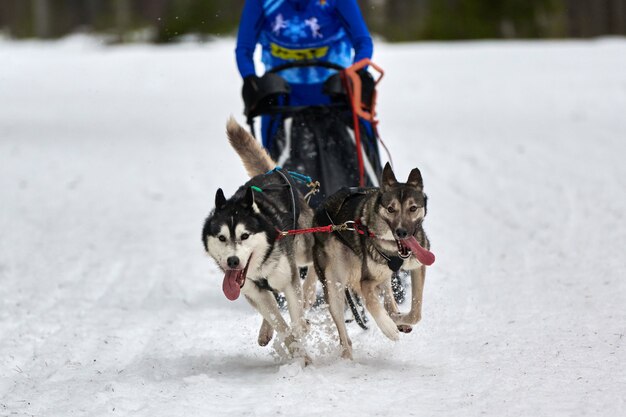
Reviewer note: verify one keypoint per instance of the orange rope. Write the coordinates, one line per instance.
(357, 130)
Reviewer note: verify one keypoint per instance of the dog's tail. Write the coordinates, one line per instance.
(255, 158)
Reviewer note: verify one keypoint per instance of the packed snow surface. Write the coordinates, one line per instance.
(110, 157)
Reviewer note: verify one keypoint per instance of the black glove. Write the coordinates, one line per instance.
(260, 93)
(250, 92)
(333, 87)
(368, 85)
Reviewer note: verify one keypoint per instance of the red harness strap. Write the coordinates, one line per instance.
(324, 229)
(355, 226)
(362, 229)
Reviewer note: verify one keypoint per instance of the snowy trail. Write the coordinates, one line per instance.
(109, 160)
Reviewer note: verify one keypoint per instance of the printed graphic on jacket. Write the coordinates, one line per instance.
(314, 33)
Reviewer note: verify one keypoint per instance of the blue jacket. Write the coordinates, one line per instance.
(288, 30)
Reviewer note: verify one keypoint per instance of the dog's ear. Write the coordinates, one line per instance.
(415, 179)
(389, 179)
(248, 199)
(220, 200)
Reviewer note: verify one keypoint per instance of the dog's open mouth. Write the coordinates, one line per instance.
(403, 251)
(409, 246)
(234, 281)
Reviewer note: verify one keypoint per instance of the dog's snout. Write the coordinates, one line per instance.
(401, 233)
(232, 261)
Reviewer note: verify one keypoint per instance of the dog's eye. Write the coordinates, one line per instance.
(245, 236)
(413, 209)
(222, 238)
(390, 209)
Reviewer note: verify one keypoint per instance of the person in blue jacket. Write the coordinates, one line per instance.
(292, 30)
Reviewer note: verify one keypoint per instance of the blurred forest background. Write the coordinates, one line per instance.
(164, 21)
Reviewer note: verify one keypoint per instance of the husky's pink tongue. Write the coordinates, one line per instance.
(425, 256)
(231, 285)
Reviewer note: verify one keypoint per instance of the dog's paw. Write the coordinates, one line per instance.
(307, 360)
(264, 340)
(294, 346)
(265, 335)
(301, 329)
(388, 327)
(299, 354)
(405, 328)
(406, 319)
(346, 352)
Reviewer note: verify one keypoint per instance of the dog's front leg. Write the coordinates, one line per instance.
(418, 277)
(392, 307)
(266, 332)
(309, 287)
(369, 288)
(390, 302)
(265, 303)
(333, 291)
(293, 295)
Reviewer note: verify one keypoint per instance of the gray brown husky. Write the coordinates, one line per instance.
(387, 235)
(242, 234)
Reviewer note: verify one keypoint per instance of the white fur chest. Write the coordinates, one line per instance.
(411, 263)
(276, 270)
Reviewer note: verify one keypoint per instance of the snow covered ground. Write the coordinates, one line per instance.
(109, 161)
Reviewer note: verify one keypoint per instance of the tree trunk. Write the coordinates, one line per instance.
(618, 17)
(41, 11)
(122, 18)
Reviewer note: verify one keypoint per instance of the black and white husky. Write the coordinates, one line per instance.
(242, 234)
(391, 237)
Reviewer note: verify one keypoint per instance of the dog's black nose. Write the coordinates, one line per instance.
(232, 261)
(401, 233)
